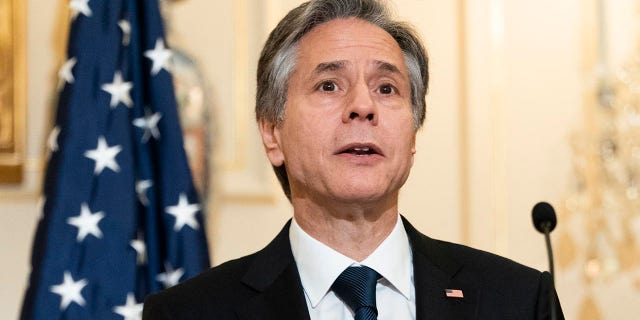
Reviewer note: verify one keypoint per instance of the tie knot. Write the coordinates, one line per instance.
(356, 286)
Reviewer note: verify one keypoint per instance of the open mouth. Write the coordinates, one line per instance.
(360, 150)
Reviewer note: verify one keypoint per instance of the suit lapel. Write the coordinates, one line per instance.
(434, 272)
(274, 275)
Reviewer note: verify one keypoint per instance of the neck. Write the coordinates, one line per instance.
(354, 230)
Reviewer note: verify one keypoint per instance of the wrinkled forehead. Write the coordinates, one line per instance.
(340, 43)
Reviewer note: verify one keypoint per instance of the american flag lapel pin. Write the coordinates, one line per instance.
(453, 293)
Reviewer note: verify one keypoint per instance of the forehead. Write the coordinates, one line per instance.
(352, 40)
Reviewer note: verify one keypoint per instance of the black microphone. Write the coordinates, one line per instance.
(544, 219)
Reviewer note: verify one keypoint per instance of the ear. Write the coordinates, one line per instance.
(413, 144)
(413, 148)
(270, 134)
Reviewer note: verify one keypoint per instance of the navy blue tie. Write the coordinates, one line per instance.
(356, 286)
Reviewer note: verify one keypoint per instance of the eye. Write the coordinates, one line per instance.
(328, 86)
(387, 89)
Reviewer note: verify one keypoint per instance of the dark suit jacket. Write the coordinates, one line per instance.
(266, 285)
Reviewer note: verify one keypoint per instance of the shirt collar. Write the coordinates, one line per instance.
(393, 260)
(319, 265)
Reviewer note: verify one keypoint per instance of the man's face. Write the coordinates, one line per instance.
(348, 133)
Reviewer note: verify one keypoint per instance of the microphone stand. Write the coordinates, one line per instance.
(546, 226)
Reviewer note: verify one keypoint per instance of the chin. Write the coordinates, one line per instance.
(357, 194)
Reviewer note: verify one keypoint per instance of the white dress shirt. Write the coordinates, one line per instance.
(319, 266)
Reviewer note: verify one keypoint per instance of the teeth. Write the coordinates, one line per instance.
(360, 151)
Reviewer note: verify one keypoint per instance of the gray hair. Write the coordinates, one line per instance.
(278, 58)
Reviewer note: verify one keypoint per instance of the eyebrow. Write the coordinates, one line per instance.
(386, 66)
(341, 64)
(330, 66)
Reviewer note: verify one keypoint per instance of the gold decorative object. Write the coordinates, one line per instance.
(12, 90)
(194, 118)
(589, 310)
(193, 109)
(606, 192)
(567, 249)
(601, 214)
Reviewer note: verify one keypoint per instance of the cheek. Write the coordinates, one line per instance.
(314, 128)
(404, 149)
(303, 142)
(402, 134)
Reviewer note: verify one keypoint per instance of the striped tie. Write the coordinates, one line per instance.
(356, 286)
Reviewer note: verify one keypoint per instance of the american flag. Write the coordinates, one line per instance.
(453, 293)
(121, 217)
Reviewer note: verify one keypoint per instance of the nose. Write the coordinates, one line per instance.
(360, 106)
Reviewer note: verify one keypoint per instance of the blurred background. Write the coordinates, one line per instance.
(529, 101)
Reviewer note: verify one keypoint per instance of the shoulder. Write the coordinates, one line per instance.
(213, 290)
(509, 289)
(503, 288)
(470, 265)
(217, 292)
(488, 265)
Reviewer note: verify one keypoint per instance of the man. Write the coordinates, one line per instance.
(341, 95)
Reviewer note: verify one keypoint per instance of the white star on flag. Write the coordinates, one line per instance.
(141, 189)
(104, 156)
(119, 91)
(69, 291)
(141, 250)
(65, 74)
(79, 6)
(150, 125)
(159, 55)
(52, 141)
(125, 26)
(170, 277)
(86, 222)
(184, 212)
(131, 310)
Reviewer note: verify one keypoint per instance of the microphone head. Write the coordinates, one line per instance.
(544, 217)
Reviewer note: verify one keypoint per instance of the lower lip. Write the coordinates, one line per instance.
(361, 159)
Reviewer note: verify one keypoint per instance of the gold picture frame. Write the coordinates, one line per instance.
(12, 90)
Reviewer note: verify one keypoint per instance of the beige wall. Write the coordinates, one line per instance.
(507, 89)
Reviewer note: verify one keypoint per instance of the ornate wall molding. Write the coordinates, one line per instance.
(12, 90)
(244, 174)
